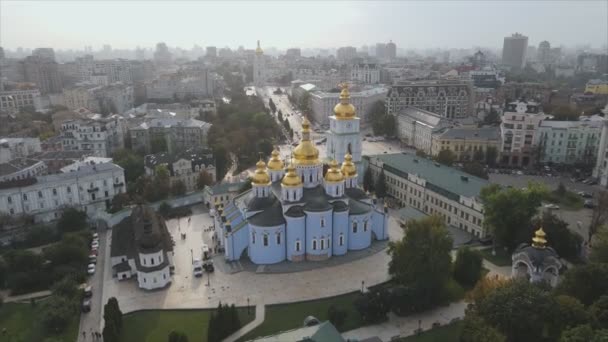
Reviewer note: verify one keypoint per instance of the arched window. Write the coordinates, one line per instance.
(354, 226)
(365, 226)
(314, 245)
(265, 239)
(253, 237)
(322, 244)
(322, 222)
(341, 240)
(278, 238)
(298, 246)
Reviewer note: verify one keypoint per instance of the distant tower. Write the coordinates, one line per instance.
(343, 137)
(259, 67)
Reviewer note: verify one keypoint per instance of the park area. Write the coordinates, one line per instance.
(23, 322)
(447, 333)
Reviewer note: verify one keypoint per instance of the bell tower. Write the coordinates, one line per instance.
(259, 67)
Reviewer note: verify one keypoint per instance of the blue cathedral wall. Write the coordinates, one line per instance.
(340, 226)
(314, 231)
(380, 224)
(236, 242)
(272, 252)
(296, 232)
(363, 237)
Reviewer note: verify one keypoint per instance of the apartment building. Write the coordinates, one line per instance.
(570, 142)
(518, 130)
(447, 98)
(415, 127)
(467, 143)
(177, 134)
(183, 166)
(322, 103)
(100, 137)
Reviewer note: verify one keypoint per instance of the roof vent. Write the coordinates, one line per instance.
(464, 178)
(415, 160)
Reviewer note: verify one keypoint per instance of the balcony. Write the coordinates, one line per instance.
(93, 189)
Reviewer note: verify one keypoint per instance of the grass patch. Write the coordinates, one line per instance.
(568, 200)
(155, 325)
(446, 333)
(502, 258)
(291, 316)
(23, 322)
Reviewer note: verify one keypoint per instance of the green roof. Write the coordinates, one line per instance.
(224, 188)
(410, 213)
(324, 332)
(446, 180)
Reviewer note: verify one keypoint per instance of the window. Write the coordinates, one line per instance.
(9, 199)
(322, 222)
(159, 259)
(54, 192)
(298, 246)
(69, 190)
(322, 244)
(164, 276)
(354, 227)
(25, 197)
(39, 194)
(279, 239)
(265, 239)
(253, 237)
(151, 261)
(144, 261)
(341, 240)
(314, 245)
(365, 226)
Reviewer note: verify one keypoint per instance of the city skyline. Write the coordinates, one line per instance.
(183, 24)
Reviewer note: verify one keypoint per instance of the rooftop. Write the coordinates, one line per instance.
(16, 165)
(323, 332)
(484, 133)
(444, 177)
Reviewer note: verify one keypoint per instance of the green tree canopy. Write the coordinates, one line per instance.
(467, 267)
(569, 312)
(584, 333)
(446, 157)
(475, 329)
(586, 283)
(599, 312)
(599, 248)
(72, 220)
(380, 185)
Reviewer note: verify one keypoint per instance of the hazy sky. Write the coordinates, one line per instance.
(410, 24)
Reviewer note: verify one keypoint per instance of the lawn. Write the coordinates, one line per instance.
(502, 258)
(155, 325)
(290, 316)
(23, 324)
(446, 333)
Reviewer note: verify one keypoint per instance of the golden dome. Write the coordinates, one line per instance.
(344, 110)
(275, 163)
(306, 153)
(348, 167)
(539, 240)
(260, 176)
(291, 178)
(258, 50)
(333, 174)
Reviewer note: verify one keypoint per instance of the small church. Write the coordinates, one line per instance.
(295, 211)
(536, 261)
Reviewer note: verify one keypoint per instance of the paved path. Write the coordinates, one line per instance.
(406, 326)
(92, 321)
(260, 315)
(27, 296)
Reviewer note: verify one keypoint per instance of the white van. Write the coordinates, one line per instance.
(197, 268)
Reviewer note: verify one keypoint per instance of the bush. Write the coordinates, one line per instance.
(72, 220)
(336, 316)
(467, 267)
(58, 312)
(164, 209)
(374, 305)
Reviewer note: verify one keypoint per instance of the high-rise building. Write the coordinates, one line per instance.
(162, 56)
(380, 50)
(47, 53)
(391, 50)
(346, 53)
(211, 51)
(514, 51)
(544, 54)
(44, 72)
(259, 67)
(293, 52)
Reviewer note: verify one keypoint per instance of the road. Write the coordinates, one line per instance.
(92, 321)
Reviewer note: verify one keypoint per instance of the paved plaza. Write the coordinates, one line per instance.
(187, 291)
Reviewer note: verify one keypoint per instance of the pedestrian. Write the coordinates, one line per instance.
(84, 335)
(92, 335)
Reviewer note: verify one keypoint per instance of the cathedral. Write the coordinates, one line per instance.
(296, 212)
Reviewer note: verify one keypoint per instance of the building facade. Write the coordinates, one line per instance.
(99, 137)
(514, 51)
(14, 100)
(569, 142)
(322, 103)
(177, 134)
(518, 130)
(183, 166)
(432, 188)
(415, 127)
(91, 189)
(468, 144)
(44, 73)
(365, 73)
(447, 98)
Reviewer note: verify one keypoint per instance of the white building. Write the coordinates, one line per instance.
(183, 166)
(91, 188)
(259, 67)
(142, 248)
(21, 168)
(343, 137)
(322, 103)
(177, 134)
(569, 142)
(600, 171)
(116, 98)
(365, 73)
(13, 100)
(519, 129)
(101, 137)
(12, 148)
(415, 127)
(75, 166)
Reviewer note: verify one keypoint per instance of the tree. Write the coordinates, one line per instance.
(272, 106)
(586, 283)
(584, 333)
(467, 267)
(600, 214)
(164, 209)
(479, 156)
(280, 116)
(132, 163)
(373, 306)
(476, 169)
(113, 316)
(72, 220)
(475, 329)
(491, 155)
(565, 242)
(177, 336)
(66, 287)
(368, 182)
(204, 179)
(599, 312)
(178, 188)
(561, 189)
(492, 117)
(569, 312)
(119, 202)
(446, 157)
(57, 312)
(510, 230)
(420, 153)
(380, 185)
(484, 287)
(158, 144)
(336, 316)
(599, 252)
(518, 310)
(421, 260)
(110, 332)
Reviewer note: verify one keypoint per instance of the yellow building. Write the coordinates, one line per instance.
(465, 142)
(598, 87)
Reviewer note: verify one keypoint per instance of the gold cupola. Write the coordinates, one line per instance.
(333, 174)
(260, 176)
(275, 163)
(348, 167)
(258, 50)
(291, 178)
(306, 153)
(539, 240)
(344, 110)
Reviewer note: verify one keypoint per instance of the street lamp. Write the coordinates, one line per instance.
(191, 256)
(362, 285)
(248, 305)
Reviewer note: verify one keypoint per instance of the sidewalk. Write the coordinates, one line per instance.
(27, 296)
(260, 313)
(406, 326)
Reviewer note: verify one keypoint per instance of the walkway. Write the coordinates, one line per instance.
(406, 326)
(27, 296)
(260, 314)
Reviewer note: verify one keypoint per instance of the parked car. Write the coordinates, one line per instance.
(86, 305)
(92, 259)
(552, 206)
(585, 194)
(91, 269)
(88, 291)
(95, 236)
(95, 244)
(436, 324)
(589, 204)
